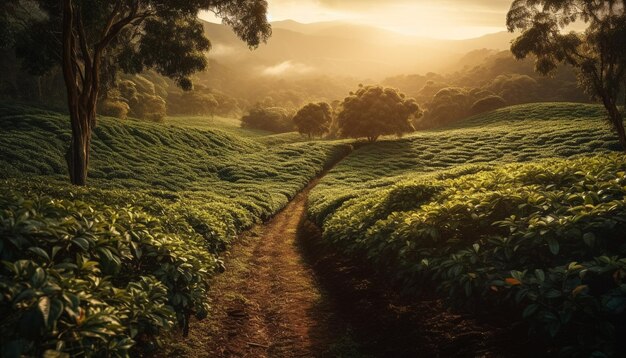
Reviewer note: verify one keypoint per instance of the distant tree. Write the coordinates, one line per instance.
(448, 105)
(598, 54)
(314, 119)
(374, 111)
(113, 107)
(273, 119)
(200, 101)
(487, 104)
(92, 39)
(515, 88)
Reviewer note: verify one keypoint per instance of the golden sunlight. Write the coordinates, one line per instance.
(448, 19)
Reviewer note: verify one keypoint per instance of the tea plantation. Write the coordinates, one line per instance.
(522, 210)
(92, 271)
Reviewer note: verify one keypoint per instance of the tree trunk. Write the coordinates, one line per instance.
(81, 82)
(616, 119)
(618, 123)
(77, 156)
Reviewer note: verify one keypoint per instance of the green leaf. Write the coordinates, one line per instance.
(81, 242)
(553, 245)
(530, 310)
(553, 293)
(39, 252)
(553, 328)
(589, 239)
(39, 277)
(55, 354)
(541, 276)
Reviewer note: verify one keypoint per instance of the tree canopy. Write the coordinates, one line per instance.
(598, 53)
(373, 111)
(314, 119)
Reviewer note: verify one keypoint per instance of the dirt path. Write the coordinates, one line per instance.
(285, 295)
(267, 303)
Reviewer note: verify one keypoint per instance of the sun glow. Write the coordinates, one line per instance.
(446, 19)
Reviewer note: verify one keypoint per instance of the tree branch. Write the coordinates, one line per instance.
(82, 36)
(69, 73)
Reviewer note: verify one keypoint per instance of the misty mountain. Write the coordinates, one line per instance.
(343, 49)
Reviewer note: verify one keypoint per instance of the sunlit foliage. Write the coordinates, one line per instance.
(272, 119)
(443, 208)
(373, 111)
(314, 119)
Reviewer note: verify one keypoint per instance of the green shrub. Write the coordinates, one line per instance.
(92, 280)
(531, 235)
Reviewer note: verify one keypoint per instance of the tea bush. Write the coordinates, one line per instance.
(94, 271)
(91, 279)
(545, 238)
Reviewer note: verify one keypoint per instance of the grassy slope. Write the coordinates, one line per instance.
(233, 126)
(513, 134)
(195, 189)
(452, 209)
(220, 173)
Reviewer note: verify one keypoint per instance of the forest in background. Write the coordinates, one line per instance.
(469, 83)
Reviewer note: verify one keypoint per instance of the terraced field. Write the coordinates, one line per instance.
(146, 235)
(523, 208)
(513, 134)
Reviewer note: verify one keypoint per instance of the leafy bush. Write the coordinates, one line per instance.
(374, 111)
(487, 104)
(92, 280)
(444, 209)
(452, 104)
(314, 119)
(113, 108)
(546, 238)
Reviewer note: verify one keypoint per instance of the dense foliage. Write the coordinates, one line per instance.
(543, 238)
(94, 271)
(450, 104)
(485, 73)
(314, 119)
(94, 279)
(373, 111)
(91, 41)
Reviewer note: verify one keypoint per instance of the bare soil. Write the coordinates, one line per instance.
(284, 294)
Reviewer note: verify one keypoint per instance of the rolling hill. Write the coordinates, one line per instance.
(343, 49)
(518, 213)
(132, 253)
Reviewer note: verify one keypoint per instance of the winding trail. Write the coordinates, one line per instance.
(285, 295)
(267, 303)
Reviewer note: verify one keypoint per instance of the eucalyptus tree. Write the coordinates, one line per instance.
(598, 53)
(91, 40)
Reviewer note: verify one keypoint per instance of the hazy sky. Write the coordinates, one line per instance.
(436, 18)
